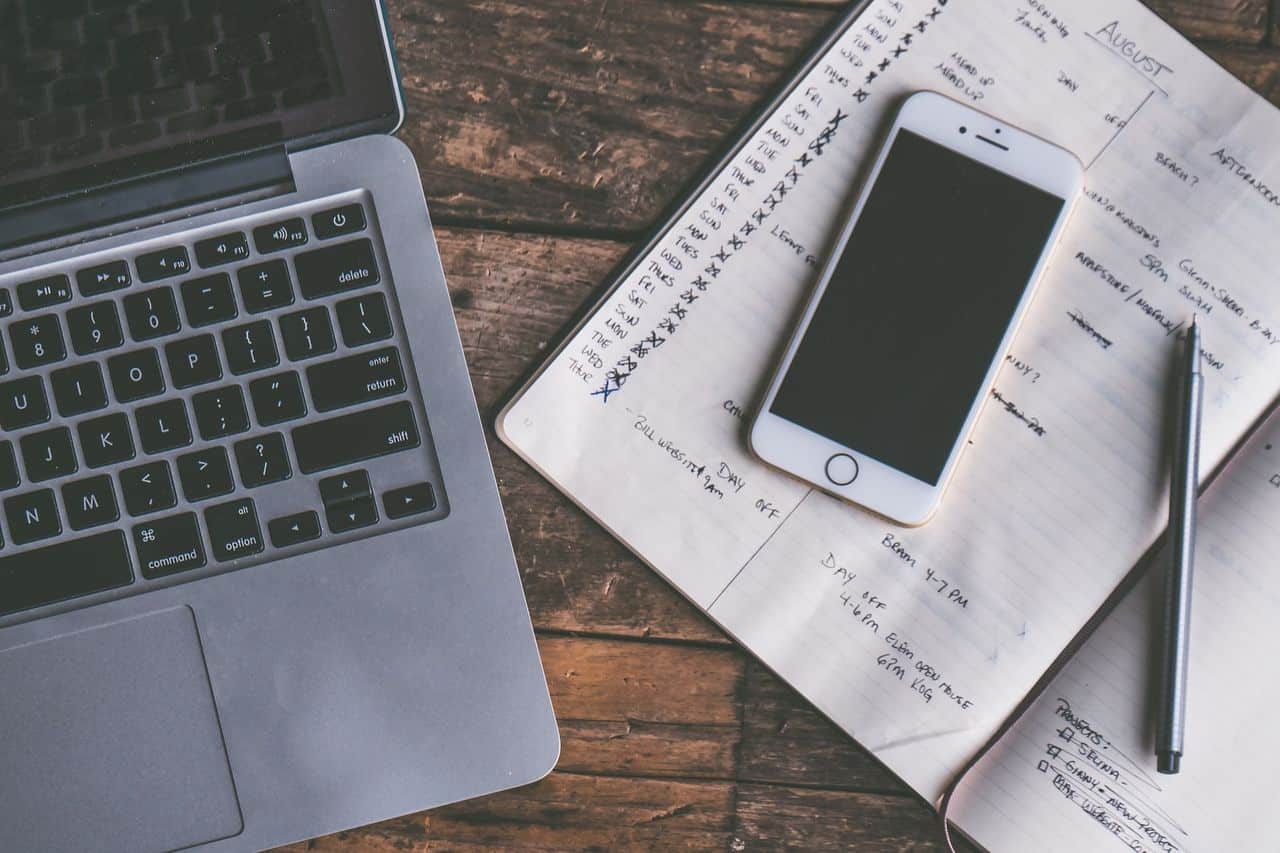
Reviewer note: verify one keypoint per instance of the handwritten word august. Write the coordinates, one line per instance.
(1128, 48)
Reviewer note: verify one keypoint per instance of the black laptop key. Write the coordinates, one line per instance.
(336, 269)
(193, 361)
(233, 530)
(263, 460)
(280, 235)
(148, 488)
(220, 412)
(78, 389)
(347, 219)
(49, 454)
(410, 500)
(135, 375)
(250, 347)
(104, 278)
(41, 293)
(348, 486)
(106, 440)
(152, 313)
(23, 403)
(224, 249)
(163, 426)
(277, 398)
(364, 319)
(205, 474)
(307, 333)
(64, 570)
(32, 516)
(290, 530)
(90, 502)
(209, 300)
(9, 478)
(94, 328)
(265, 286)
(6, 303)
(355, 379)
(355, 437)
(352, 515)
(169, 545)
(37, 341)
(165, 263)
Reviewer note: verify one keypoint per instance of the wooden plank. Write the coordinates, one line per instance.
(654, 709)
(1243, 21)
(563, 812)
(771, 817)
(1259, 68)
(581, 113)
(786, 741)
(512, 294)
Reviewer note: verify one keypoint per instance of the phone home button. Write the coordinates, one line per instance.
(842, 469)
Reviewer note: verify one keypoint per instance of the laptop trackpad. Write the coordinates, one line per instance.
(109, 741)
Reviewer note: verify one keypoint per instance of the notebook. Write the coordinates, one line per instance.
(926, 644)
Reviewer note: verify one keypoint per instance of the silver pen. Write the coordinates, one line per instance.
(1182, 537)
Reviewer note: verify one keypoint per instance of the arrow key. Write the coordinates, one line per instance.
(351, 486)
(350, 515)
(290, 530)
(411, 500)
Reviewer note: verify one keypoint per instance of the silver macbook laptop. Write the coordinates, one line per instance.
(255, 580)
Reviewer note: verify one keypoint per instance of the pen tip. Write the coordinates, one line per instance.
(1193, 321)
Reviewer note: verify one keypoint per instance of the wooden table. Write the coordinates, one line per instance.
(551, 134)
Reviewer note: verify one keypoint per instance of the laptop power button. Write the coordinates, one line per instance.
(842, 469)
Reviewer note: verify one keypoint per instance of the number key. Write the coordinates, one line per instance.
(94, 328)
(152, 313)
(262, 460)
(37, 341)
(307, 333)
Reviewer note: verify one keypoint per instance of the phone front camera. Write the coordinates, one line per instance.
(964, 130)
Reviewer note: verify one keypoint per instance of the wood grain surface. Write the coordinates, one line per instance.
(551, 134)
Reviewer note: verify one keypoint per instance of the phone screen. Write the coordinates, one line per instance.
(917, 306)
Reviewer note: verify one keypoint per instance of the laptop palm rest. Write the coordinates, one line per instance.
(109, 740)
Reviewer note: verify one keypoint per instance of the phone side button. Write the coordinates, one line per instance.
(842, 469)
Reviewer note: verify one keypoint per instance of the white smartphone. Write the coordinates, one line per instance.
(913, 312)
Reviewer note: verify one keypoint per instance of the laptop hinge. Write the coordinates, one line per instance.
(170, 190)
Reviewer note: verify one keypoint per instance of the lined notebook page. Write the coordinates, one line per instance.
(920, 642)
(1078, 770)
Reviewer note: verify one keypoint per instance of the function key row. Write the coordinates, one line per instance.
(174, 261)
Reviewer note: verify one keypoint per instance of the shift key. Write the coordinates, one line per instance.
(352, 438)
(356, 379)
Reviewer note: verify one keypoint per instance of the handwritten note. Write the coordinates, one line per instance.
(921, 642)
(1078, 770)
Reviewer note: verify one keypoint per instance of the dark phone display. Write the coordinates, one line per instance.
(913, 316)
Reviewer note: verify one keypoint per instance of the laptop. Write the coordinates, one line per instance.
(255, 580)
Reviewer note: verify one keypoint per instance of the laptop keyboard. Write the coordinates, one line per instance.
(214, 401)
